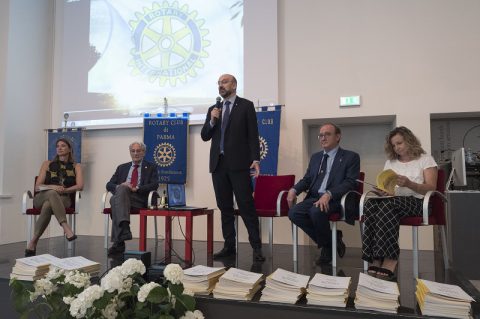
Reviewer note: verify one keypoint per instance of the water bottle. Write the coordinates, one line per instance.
(469, 157)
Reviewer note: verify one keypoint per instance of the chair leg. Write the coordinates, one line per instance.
(236, 233)
(444, 245)
(365, 263)
(295, 242)
(156, 230)
(415, 250)
(106, 227)
(71, 221)
(334, 244)
(30, 222)
(270, 236)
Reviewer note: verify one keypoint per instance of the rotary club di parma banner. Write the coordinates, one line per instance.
(166, 140)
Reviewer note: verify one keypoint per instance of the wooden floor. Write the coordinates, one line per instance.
(431, 263)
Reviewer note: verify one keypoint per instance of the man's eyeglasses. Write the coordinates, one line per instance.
(136, 151)
(327, 134)
(223, 82)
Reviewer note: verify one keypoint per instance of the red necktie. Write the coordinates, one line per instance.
(134, 178)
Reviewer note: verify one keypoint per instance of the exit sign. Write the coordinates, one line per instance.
(350, 100)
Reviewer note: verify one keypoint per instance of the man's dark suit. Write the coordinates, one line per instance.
(342, 178)
(123, 199)
(231, 170)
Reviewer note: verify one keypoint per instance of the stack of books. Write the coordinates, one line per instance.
(35, 267)
(201, 279)
(324, 290)
(237, 284)
(284, 286)
(32, 268)
(442, 300)
(376, 294)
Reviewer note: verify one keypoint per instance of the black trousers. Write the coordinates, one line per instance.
(227, 182)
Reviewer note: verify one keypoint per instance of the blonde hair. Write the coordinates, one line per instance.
(414, 146)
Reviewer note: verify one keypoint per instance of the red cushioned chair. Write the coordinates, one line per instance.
(340, 216)
(271, 201)
(32, 213)
(107, 212)
(433, 214)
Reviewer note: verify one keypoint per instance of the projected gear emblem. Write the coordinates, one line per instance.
(164, 154)
(263, 148)
(169, 43)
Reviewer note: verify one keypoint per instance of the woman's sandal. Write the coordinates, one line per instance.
(386, 274)
(372, 270)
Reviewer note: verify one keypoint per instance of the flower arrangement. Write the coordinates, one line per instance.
(122, 293)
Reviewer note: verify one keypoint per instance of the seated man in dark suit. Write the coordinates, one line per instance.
(130, 185)
(330, 174)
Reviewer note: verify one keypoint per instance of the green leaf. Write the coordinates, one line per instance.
(176, 289)
(184, 303)
(158, 295)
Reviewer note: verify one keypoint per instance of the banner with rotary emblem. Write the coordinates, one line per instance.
(268, 119)
(73, 135)
(166, 140)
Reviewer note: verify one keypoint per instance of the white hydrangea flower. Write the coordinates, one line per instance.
(145, 291)
(173, 273)
(43, 287)
(78, 279)
(113, 280)
(132, 266)
(110, 311)
(68, 300)
(197, 314)
(127, 285)
(54, 273)
(84, 301)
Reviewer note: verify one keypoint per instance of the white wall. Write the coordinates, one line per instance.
(25, 103)
(406, 59)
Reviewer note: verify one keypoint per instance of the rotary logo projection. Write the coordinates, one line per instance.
(263, 148)
(164, 154)
(169, 43)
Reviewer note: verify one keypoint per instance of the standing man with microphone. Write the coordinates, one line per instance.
(231, 126)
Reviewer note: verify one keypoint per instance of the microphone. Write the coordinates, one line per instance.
(218, 105)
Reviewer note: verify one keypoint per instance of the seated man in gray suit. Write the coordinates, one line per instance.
(330, 174)
(130, 185)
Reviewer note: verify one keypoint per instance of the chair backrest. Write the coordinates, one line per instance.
(437, 203)
(267, 189)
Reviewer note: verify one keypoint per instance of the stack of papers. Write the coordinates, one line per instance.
(78, 263)
(201, 279)
(324, 290)
(376, 294)
(35, 267)
(31, 268)
(443, 300)
(237, 284)
(284, 286)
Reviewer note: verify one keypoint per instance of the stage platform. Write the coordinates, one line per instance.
(430, 265)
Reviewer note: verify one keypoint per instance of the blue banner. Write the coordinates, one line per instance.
(268, 119)
(166, 140)
(74, 135)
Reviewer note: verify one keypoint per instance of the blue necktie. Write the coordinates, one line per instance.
(321, 174)
(225, 117)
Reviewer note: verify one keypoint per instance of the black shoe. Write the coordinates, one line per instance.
(125, 235)
(30, 252)
(71, 238)
(341, 248)
(257, 254)
(117, 248)
(325, 256)
(224, 253)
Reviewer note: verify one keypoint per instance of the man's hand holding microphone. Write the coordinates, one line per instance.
(216, 111)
